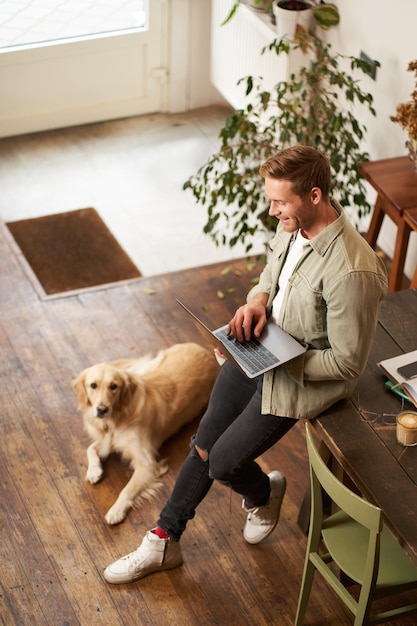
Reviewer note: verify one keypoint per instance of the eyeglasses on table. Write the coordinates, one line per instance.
(384, 418)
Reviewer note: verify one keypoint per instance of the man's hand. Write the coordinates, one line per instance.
(220, 357)
(249, 319)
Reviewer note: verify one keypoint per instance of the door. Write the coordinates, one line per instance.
(89, 77)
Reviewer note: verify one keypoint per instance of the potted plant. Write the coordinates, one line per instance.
(325, 14)
(407, 117)
(292, 14)
(307, 108)
(264, 6)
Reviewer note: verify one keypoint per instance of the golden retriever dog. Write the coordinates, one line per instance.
(131, 406)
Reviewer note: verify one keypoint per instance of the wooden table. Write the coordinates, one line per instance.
(410, 218)
(395, 180)
(382, 470)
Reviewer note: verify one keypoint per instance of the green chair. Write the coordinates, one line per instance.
(356, 541)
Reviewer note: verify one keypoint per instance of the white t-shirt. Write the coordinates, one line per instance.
(294, 255)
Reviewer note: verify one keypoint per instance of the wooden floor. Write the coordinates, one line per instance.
(54, 542)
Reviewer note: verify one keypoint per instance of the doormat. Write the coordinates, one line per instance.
(71, 251)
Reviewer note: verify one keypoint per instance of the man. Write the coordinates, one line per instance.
(323, 284)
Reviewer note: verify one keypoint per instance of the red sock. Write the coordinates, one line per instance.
(161, 533)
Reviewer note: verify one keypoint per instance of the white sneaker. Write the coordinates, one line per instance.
(262, 520)
(154, 554)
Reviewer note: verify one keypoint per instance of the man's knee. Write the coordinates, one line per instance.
(221, 465)
(203, 454)
(220, 468)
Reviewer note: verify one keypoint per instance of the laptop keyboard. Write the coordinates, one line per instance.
(252, 353)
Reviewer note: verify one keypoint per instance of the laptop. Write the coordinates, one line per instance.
(259, 355)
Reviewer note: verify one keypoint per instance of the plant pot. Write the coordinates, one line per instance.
(292, 13)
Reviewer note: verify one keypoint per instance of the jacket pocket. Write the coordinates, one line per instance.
(305, 312)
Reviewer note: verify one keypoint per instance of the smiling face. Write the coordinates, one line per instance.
(293, 211)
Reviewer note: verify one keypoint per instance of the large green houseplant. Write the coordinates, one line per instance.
(316, 107)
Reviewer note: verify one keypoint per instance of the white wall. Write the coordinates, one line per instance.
(386, 31)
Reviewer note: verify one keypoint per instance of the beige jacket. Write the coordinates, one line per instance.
(331, 304)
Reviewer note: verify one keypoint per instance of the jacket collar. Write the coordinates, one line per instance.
(321, 242)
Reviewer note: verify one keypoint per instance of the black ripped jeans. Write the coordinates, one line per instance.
(234, 433)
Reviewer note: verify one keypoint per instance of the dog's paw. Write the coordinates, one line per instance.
(115, 515)
(94, 474)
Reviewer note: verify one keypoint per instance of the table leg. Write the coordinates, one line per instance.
(398, 260)
(376, 222)
(413, 284)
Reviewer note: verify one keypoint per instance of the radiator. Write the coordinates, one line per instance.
(236, 51)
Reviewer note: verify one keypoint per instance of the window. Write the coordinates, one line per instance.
(42, 22)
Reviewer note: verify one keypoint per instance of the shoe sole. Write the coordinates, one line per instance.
(114, 579)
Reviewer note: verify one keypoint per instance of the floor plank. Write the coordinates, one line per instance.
(54, 542)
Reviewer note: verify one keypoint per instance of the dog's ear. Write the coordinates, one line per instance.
(78, 385)
(128, 390)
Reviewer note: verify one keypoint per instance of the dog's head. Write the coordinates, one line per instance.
(103, 390)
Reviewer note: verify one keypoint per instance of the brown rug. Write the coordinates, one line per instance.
(70, 251)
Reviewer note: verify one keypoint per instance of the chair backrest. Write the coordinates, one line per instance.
(356, 507)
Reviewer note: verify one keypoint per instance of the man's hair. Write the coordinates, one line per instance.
(303, 166)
